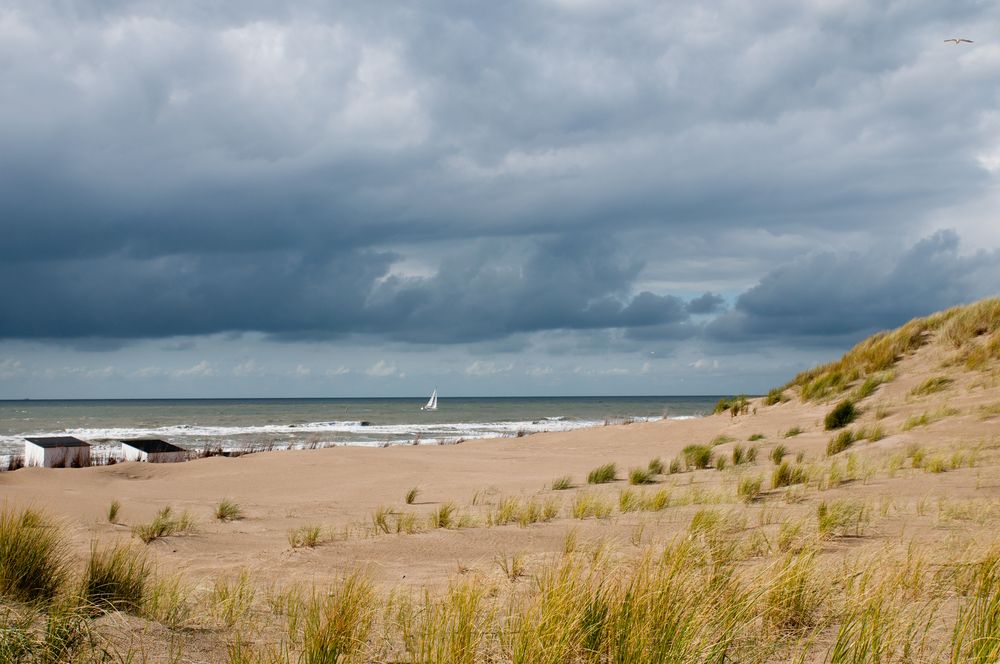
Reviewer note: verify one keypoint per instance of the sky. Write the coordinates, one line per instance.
(556, 197)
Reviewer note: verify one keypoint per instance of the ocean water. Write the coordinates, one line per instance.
(289, 423)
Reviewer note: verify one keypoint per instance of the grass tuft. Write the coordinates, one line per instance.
(786, 475)
(749, 488)
(602, 474)
(562, 483)
(33, 558)
(931, 385)
(640, 476)
(227, 510)
(305, 537)
(116, 578)
(840, 442)
(411, 495)
(842, 414)
(698, 456)
(778, 453)
(164, 524)
(794, 431)
(655, 466)
(113, 509)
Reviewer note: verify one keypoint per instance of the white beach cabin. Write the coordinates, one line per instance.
(56, 452)
(152, 450)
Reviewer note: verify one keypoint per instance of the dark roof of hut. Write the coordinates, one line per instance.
(153, 445)
(58, 441)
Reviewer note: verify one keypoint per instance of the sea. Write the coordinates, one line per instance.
(236, 425)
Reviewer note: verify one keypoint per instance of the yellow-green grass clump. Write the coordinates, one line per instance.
(602, 474)
(116, 578)
(164, 524)
(33, 558)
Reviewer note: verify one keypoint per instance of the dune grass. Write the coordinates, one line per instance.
(840, 442)
(444, 516)
(794, 431)
(778, 452)
(34, 563)
(113, 510)
(756, 436)
(931, 385)
(411, 495)
(116, 578)
(698, 456)
(640, 476)
(655, 466)
(164, 524)
(308, 536)
(786, 474)
(842, 414)
(227, 510)
(749, 488)
(602, 474)
(562, 483)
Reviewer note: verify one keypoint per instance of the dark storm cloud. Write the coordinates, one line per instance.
(830, 295)
(182, 168)
(707, 303)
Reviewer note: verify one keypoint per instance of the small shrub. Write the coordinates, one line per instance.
(931, 385)
(411, 495)
(794, 431)
(656, 466)
(562, 483)
(840, 442)
(602, 474)
(756, 436)
(640, 476)
(786, 475)
(842, 414)
(113, 511)
(115, 578)
(748, 488)
(227, 510)
(698, 456)
(778, 453)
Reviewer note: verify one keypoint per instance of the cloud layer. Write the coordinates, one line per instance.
(456, 173)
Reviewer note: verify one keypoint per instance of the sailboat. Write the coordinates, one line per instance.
(432, 403)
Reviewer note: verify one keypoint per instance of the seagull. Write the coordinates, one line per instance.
(956, 41)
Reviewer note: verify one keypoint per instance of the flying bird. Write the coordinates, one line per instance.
(956, 41)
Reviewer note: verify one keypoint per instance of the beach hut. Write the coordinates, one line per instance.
(56, 452)
(152, 450)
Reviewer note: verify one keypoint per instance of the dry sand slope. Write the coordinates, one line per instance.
(930, 480)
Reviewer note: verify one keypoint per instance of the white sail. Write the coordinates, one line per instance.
(432, 403)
